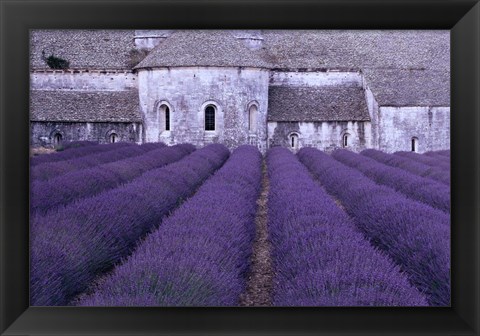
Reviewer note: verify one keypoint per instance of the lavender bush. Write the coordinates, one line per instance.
(411, 166)
(445, 152)
(437, 156)
(413, 186)
(320, 258)
(414, 235)
(425, 160)
(74, 244)
(62, 190)
(199, 255)
(75, 153)
(76, 144)
(48, 170)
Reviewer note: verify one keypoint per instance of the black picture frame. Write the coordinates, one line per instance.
(18, 17)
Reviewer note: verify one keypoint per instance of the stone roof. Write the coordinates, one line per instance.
(358, 49)
(409, 87)
(84, 49)
(203, 48)
(78, 106)
(290, 49)
(288, 103)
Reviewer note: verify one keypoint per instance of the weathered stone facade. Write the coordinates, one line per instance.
(43, 133)
(326, 135)
(325, 89)
(231, 91)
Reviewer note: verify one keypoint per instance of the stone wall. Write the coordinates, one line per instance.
(83, 80)
(187, 91)
(326, 136)
(398, 125)
(43, 133)
(373, 109)
(316, 78)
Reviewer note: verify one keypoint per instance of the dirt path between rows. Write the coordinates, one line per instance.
(259, 284)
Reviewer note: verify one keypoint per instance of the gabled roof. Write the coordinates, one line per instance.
(78, 106)
(288, 103)
(203, 48)
(358, 49)
(84, 49)
(393, 87)
(289, 49)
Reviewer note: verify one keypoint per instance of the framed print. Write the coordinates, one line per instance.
(148, 112)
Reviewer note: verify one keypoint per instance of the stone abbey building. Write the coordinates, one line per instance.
(388, 90)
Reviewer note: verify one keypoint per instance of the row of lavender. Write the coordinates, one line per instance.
(76, 144)
(413, 166)
(413, 234)
(75, 153)
(48, 170)
(433, 193)
(199, 256)
(72, 245)
(64, 189)
(430, 159)
(320, 258)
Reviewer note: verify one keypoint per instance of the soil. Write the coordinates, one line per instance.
(41, 150)
(260, 280)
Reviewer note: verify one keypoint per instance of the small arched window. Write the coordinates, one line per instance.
(345, 140)
(164, 117)
(252, 118)
(294, 140)
(414, 144)
(113, 137)
(209, 118)
(167, 118)
(57, 139)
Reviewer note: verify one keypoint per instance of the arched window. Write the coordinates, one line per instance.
(167, 118)
(113, 137)
(294, 140)
(164, 117)
(414, 144)
(252, 118)
(209, 118)
(57, 139)
(345, 140)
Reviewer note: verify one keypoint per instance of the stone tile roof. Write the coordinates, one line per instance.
(288, 103)
(358, 49)
(291, 49)
(92, 49)
(203, 48)
(78, 106)
(409, 87)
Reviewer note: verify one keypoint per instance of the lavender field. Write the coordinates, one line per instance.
(155, 225)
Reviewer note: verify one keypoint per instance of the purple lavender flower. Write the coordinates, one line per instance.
(74, 244)
(320, 258)
(414, 235)
(199, 256)
(413, 186)
(48, 170)
(64, 189)
(425, 159)
(409, 165)
(76, 152)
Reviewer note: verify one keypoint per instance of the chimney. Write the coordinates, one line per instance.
(149, 39)
(253, 39)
